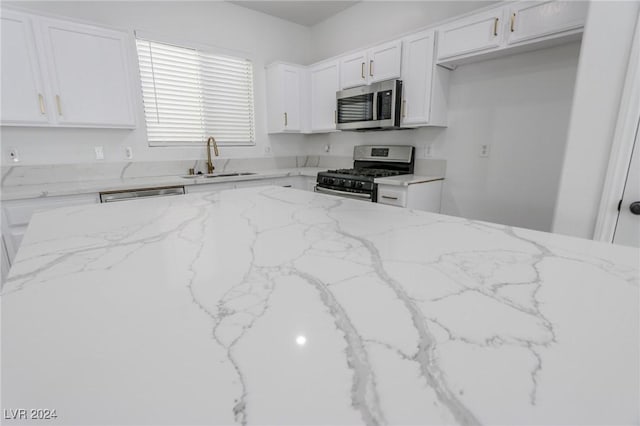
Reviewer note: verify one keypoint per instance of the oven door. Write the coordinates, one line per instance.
(363, 196)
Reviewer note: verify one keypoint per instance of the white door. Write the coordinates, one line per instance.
(291, 88)
(90, 75)
(352, 70)
(476, 33)
(325, 82)
(529, 20)
(628, 227)
(384, 61)
(417, 76)
(23, 97)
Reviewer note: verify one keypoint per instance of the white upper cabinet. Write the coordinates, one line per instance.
(325, 82)
(90, 77)
(384, 61)
(23, 96)
(530, 20)
(59, 73)
(476, 33)
(352, 70)
(379, 63)
(425, 86)
(285, 107)
(511, 27)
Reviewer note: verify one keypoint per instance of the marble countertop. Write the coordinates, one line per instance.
(18, 192)
(406, 180)
(278, 306)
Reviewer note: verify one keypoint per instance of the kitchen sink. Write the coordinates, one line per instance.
(217, 175)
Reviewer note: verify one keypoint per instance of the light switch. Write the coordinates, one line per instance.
(99, 152)
(484, 150)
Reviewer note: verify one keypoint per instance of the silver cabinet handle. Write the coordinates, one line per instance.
(389, 197)
(286, 119)
(404, 108)
(362, 70)
(371, 68)
(495, 27)
(513, 22)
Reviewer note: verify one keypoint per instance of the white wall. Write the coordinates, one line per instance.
(212, 23)
(369, 22)
(520, 106)
(603, 63)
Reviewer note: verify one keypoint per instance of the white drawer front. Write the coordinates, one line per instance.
(392, 197)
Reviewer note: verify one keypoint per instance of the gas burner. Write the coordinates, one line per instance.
(367, 172)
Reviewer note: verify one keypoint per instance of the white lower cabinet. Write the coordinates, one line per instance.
(419, 196)
(16, 215)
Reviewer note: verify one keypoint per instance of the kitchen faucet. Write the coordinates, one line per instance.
(215, 150)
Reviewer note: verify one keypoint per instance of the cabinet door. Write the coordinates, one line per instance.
(352, 70)
(476, 33)
(417, 78)
(530, 20)
(324, 85)
(292, 103)
(23, 98)
(384, 61)
(90, 76)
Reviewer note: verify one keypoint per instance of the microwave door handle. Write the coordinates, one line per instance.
(375, 106)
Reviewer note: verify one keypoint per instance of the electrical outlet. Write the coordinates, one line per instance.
(267, 149)
(128, 153)
(99, 152)
(327, 148)
(428, 151)
(13, 155)
(484, 150)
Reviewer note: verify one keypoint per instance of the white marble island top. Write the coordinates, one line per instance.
(285, 307)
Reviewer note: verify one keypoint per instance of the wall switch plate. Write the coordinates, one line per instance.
(128, 153)
(484, 150)
(99, 152)
(13, 155)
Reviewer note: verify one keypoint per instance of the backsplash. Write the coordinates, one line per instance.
(58, 173)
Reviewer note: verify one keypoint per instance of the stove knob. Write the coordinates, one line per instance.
(359, 184)
(348, 184)
(341, 182)
(330, 181)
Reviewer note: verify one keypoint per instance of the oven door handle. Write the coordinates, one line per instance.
(357, 195)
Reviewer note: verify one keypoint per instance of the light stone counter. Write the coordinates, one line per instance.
(406, 180)
(285, 307)
(39, 190)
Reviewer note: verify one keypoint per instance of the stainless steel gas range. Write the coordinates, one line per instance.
(369, 162)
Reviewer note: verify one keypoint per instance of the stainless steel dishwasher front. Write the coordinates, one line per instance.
(134, 194)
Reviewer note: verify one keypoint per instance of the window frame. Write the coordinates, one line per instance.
(214, 50)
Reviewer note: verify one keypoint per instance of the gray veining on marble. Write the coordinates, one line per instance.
(279, 306)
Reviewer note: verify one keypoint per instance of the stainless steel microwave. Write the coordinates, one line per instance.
(372, 107)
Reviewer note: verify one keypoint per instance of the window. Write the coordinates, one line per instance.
(190, 95)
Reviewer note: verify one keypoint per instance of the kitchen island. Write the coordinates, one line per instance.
(279, 306)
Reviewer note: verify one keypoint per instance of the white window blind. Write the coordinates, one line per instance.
(190, 95)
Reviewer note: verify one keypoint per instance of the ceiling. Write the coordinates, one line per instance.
(307, 13)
